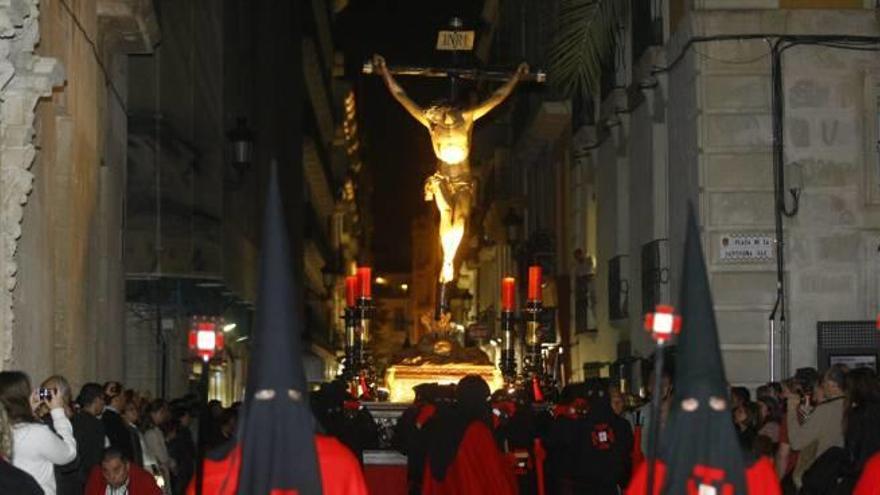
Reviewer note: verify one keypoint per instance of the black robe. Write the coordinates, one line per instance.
(89, 434)
(604, 462)
(118, 433)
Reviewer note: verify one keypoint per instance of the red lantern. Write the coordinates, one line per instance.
(663, 323)
(206, 338)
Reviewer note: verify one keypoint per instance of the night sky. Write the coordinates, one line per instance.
(397, 147)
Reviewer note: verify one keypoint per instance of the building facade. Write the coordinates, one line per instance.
(762, 115)
(126, 212)
(64, 159)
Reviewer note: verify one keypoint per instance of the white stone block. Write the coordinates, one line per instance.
(825, 283)
(742, 327)
(747, 366)
(823, 208)
(737, 131)
(744, 288)
(740, 209)
(738, 92)
(747, 171)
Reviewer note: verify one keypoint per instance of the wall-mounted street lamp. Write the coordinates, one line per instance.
(241, 147)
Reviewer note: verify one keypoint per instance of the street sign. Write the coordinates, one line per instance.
(455, 40)
(746, 248)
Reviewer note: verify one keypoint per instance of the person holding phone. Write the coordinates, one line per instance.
(36, 449)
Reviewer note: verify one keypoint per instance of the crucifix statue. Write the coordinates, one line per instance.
(450, 127)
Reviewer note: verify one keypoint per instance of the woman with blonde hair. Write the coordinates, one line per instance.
(12, 479)
(59, 385)
(36, 449)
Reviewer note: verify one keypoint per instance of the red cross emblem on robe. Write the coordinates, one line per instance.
(707, 480)
(602, 436)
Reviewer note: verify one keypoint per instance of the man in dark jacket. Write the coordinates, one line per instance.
(182, 448)
(88, 430)
(114, 425)
(344, 418)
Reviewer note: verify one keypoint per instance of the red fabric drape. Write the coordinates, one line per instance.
(869, 483)
(760, 479)
(637, 455)
(340, 472)
(478, 468)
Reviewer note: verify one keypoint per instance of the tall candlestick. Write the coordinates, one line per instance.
(508, 293)
(351, 290)
(534, 283)
(364, 275)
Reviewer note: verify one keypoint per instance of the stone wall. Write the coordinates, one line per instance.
(829, 242)
(69, 299)
(24, 78)
(718, 139)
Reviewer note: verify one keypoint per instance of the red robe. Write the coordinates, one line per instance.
(340, 471)
(478, 468)
(139, 482)
(760, 479)
(869, 483)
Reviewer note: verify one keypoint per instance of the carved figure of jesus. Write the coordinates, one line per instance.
(451, 127)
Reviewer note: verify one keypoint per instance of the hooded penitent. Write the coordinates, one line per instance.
(699, 444)
(603, 461)
(447, 432)
(277, 430)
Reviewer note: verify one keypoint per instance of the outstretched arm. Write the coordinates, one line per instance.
(397, 92)
(501, 93)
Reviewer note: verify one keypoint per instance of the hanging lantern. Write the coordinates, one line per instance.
(206, 338)
(241, 143)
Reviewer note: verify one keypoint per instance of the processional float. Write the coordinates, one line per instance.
(450, 124)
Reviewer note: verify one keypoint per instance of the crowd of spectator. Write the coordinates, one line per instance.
(107, 440)
(820, 430)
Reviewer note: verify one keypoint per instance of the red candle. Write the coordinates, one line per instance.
(364, 275)
(351, 290)
(534, 283)
(508, 293)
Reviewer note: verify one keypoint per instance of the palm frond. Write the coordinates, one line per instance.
(584, 40)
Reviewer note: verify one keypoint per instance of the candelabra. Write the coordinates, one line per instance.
(350, 361)
(358, 315)
(532, 360)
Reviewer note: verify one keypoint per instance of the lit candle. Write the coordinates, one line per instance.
(364, 275)
(508, 293)
(351, 290)
(534, 283)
